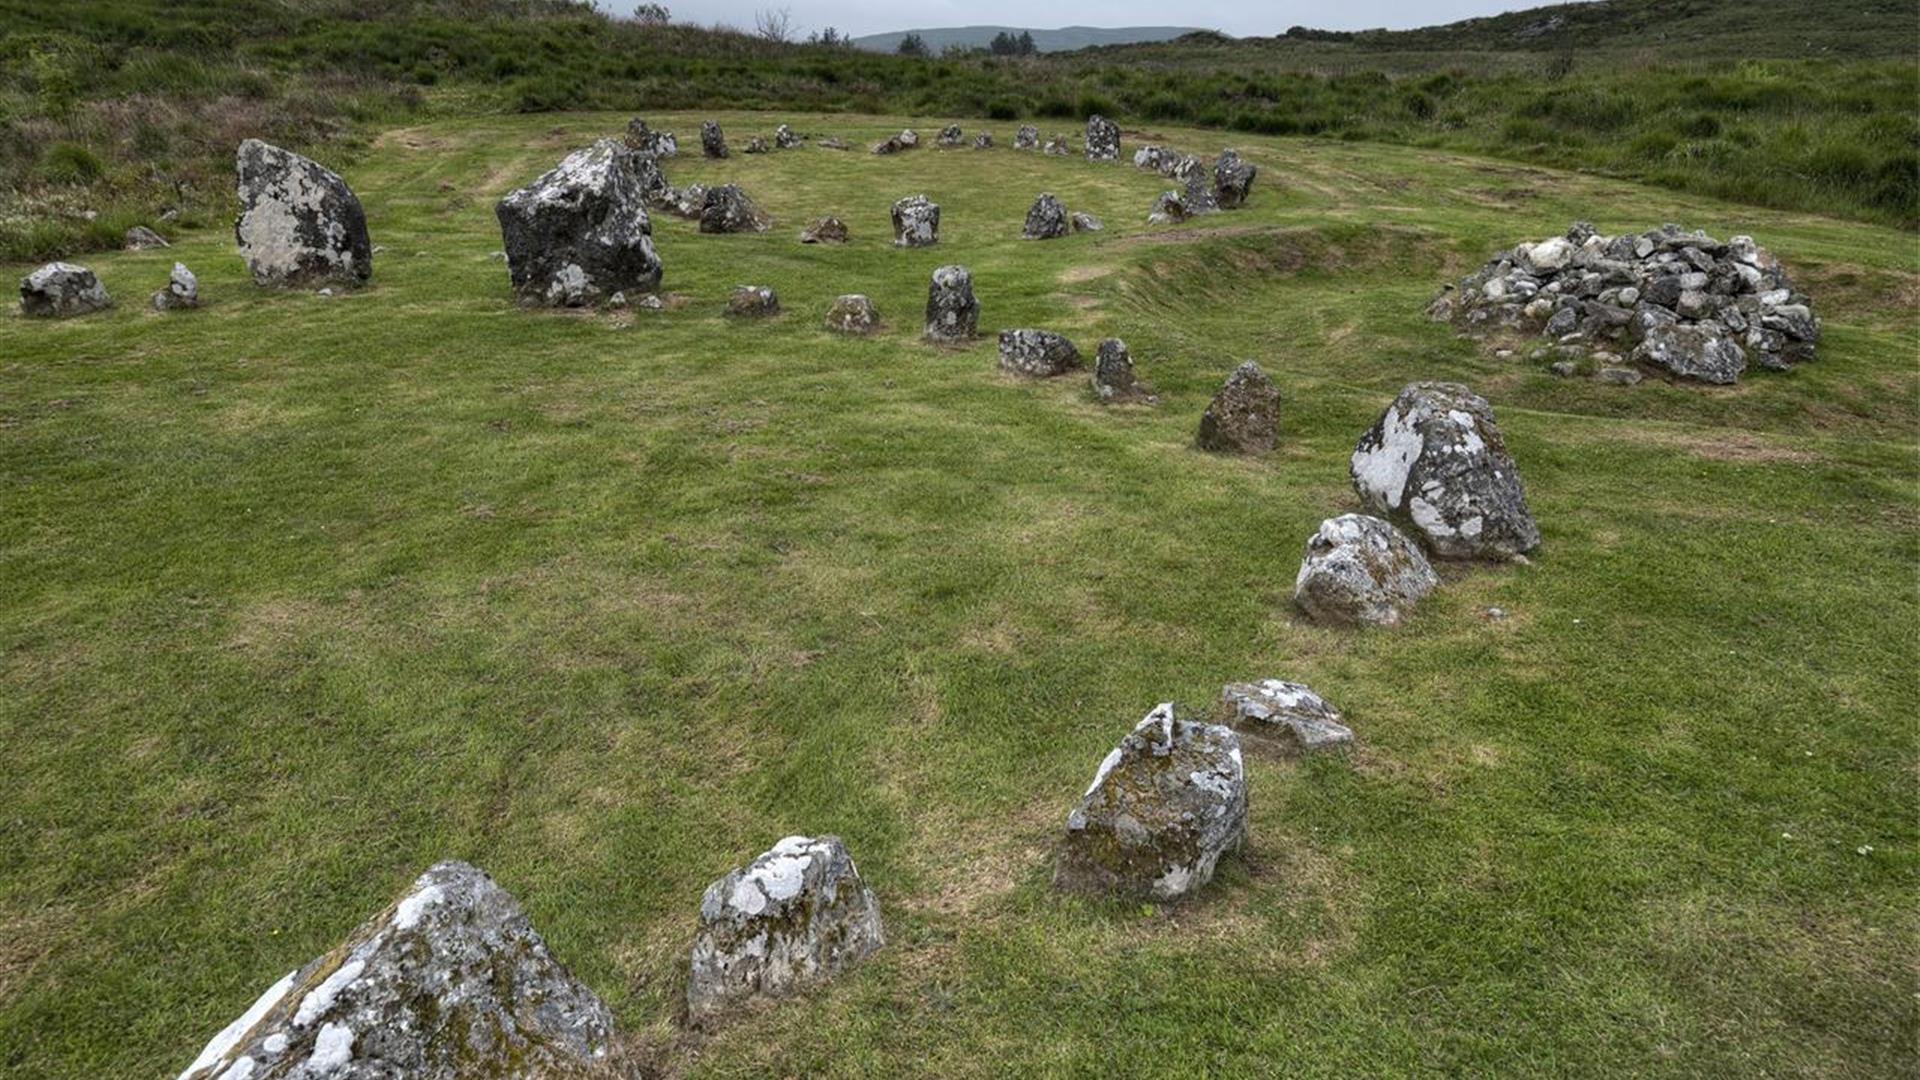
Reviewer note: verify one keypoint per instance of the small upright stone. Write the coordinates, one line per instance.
(1244, 417)
(1046, 219)
(950, 137)
(713, 142)
(1058, 146)
(1287, 712)
(1165, 805)
(1114, 380)
(983, 141)
(1037, 354)
(580, 232)
(299, 223)
(1233, 179)
(953, 315)
(182, 291)
(1103, 139)
(756, 145)
(60, 289)
(826, 230)
(726, 209)
(753, 302)
(795, 916)
(1361, 571)
(853, 314)
(785, 139)
(645, 140)
(916, 222)
(1085, 222)
(1026, 138)
(140, 238)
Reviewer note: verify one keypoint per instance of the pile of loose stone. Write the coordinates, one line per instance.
(1679, 301)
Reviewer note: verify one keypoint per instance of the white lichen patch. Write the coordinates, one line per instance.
(332, 1049)
(1380, 470)
(231, 1035)
(320, 998)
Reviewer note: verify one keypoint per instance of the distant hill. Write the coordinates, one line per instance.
(1064, 39)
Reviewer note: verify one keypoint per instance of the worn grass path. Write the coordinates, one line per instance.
(299, 595)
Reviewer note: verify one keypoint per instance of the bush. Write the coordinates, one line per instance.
(71, 163)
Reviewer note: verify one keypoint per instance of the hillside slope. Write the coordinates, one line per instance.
(1063, 39)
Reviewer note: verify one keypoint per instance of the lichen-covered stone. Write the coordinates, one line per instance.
(894, 144)
(299, 224)
(950, 137)
(182, 291)
(449, 983)
(753, 302)
(580, 233)
(785, 138)
(1436, 463)
(141, 238)
(713, 141)
(1085, 222)
(826, 230)
(1170, 208)
(756, 145)
(1037, 354)
(645, 140)
(916, 222)
(953, 315)
(853, 314)
(983, 141)
(1058, 146)
(1701, 351)
(1103, 139)
(60, 289)
(1244, 417)
(1046, 219)
(1233, 179)
(793, 917)
(1026, 138)
(1289, 713)
(726, 209)
(1114, 380)
(1360, 570)
(1165, 805)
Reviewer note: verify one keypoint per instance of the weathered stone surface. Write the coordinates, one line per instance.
(795, 916)
(449, 983)
(916, 222)
(953, 315)
(1058, 146)
(1165, 805)
(1168, 209)
(785, 138)
(1288, 713)
(1114, 380)
(853, 314)
(1037, 354)
(687, 202)
(580, 232)
(1233, 179)
(756, 145)
(299, 223)
(713, 141)
(1026, 138)
(1085, 222)
(60, 289)
(950, 137)
(1360, 570)
(894, 144)
(1436, 463)
(753, 302)
(645, 140)
(1619, 376)
(1199, 196)
(1700, 351)
(983, 141)
(141, 238)
(1244, 417)
(1046, 219)
(726, 209)
(826, 230)
(833, 142)
(1103, 139)
(182, 291)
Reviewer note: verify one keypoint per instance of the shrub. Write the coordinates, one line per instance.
(71, 163)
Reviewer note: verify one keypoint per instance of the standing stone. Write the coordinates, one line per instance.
(785, 139)
(450, 982)
(1199, 196)
(713, 142)
(580, 232)
(1046, 219)
(182, 291)
(826, 230)
(1436, 463)
(1359, 570)
(916, 222)
(853, 314)
(753, 302)
(1103, 139)
(60, 289)
(1037, 354)
(1289, 713)
(1026, 138)
(299, 223)
(1114, 380)
(1244, 417)
(983, 141)
(795, 916)
(1169, 209)
(1699, 351)
(950, 137)
(1233, 179)
(1165, 805)
(953, 314)
(726, 209)
(141, 238)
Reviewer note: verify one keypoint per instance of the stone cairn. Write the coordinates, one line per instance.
(1685, 303)
(580, 233)
(60, 289)
(713, 142)
(299, 223)
(953, 315)
(916, 222)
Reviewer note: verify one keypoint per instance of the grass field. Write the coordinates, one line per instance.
(299, 595)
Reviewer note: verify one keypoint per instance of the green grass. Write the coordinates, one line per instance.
(299, 595)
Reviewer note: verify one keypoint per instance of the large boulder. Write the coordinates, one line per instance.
(1165, 805)
(1701, 351)
(299, 223)
(853, 314)
(1233, 179)
(1288, 713)
(1103, 139)
(449, 983)
(1436, 463)
(793, 917)
(1046, 219)
(182, 291)
(953, 315)
(60, 289)
(726, 209)
(1360, 570)
(580, 233)
(1244, 417)
(713, 141)
(916, 222)
(1114, 380)
(1037, 354)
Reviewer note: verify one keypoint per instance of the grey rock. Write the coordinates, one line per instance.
(1619, 376)
(1436, 463)
(1289, 713)
(1168, 209)
(1085, 222)
(1699, 351)
(450, 982)
(645, 140)
(833, 142)
(826, 230)
(713, 141)
(983, 141)
(141, 238)
(1114, 380)
(950, 137)
(1103, 139)
(894, 144)
(1037, 354)
(299, 224)
(753, 302)
(853, 314)
(182, 291)
(1564, 368)
(726, 209)
(1361, 571)
(953, 315)
(756, 145)
(581, 232)
(916, 222)
(1057, 146)
(1026, 138)
(1163, 808)
(60, 289)
(1564, 321)
(785, 139)
(1199, 196)
(794, 917)
(1244, 417)
(1046, 219)
(1233, 179)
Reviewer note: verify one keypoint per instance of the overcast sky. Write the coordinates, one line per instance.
(1242, 17)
